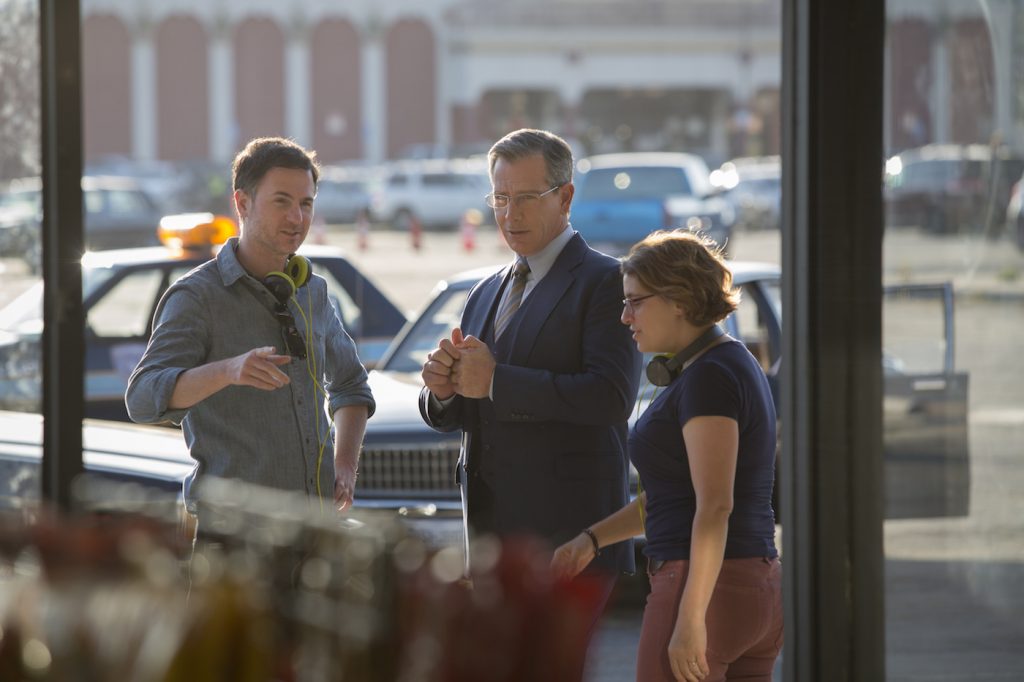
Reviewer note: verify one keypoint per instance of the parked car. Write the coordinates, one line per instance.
(342, 194)
(435, 193)
(754, 187)
(621, 198)
(950, 189)
(20, 226)
(154, 457)
(927, 470)
(155, 460)
(120, 291)
(118, 213)
(165, 182)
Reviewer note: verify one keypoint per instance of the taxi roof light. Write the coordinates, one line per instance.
(195, 231)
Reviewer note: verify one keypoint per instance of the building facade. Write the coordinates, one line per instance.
(369, 80)
(372, 80)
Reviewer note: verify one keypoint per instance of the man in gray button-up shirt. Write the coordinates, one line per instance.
(220, 361)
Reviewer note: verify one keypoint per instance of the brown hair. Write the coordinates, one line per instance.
(526, 142)
(688, 269)
(264, 153)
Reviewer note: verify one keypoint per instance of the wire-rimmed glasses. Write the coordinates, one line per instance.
(524, 200)
(630, 304)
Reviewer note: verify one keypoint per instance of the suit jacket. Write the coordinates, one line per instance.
(551, 446)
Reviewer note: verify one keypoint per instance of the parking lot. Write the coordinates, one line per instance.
(959, 571)
(956, 571)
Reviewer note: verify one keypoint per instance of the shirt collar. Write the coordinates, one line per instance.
(540, 263)
(227, 262)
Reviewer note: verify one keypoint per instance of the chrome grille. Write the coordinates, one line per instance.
(408, 471)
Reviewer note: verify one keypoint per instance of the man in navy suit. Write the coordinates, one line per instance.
(541, 378)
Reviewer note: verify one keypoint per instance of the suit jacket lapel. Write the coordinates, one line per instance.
(542, 300)
(475, 321)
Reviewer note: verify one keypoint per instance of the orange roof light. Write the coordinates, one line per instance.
(195, 231)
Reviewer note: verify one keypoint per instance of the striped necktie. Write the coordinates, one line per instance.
(514, 298)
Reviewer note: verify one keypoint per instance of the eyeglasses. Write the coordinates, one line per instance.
(296, 346)
(631, 303)
(524, 200)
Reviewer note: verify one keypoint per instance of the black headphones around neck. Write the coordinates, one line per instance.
(284, 283)
(662, 369)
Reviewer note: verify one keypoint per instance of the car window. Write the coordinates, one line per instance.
(93, 202)
(346, 307)
(755, 326)
(28, 200)
(439, 180)
(617, 184)
(398, 180)
(126, 201)
(124, 311)
(914, 335)
(435, 323)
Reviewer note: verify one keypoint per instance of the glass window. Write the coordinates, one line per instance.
(348, 310)
(756, 326)
(20, 255)
(434, 323)
(125, 310)
(953, 406)
(439, 180)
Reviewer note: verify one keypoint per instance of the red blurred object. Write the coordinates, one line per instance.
(515, 622)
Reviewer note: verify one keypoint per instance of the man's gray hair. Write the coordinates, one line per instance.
(527, 142)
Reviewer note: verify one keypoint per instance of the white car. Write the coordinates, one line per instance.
(342, 194)
(435, 193)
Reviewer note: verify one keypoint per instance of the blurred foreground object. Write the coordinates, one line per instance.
(275, 591)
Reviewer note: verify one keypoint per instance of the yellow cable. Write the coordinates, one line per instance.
(311, 370)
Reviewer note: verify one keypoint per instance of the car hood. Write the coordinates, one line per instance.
(397, 397)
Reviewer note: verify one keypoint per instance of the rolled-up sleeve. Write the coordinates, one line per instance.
(346, 377)
(180, 341)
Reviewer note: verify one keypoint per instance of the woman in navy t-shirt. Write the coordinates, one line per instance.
(705, 453)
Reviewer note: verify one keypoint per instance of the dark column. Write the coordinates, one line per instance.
(832, 390)
(63, 335)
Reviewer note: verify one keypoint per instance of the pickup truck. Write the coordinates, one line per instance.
(621, 198)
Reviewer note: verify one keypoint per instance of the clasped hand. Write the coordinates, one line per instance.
(459, 365)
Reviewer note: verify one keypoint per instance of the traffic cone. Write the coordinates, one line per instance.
(362, 231)
(471, 219)
(415, 232)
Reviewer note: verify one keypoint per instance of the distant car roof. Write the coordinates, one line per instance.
(641, 159)
(947, 152)
(89, 182)
(473, 165)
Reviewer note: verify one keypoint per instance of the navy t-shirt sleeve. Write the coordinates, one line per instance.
(709, 390)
